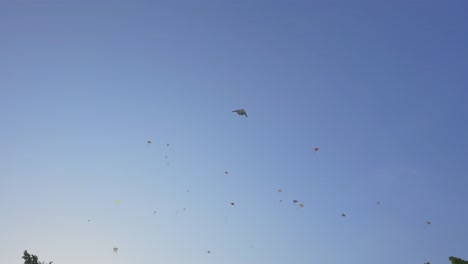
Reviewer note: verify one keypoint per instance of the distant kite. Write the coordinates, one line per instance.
(378, 203)
(316, 149)
(343, 215)
(279, 191)
(149, 142)
(208, 252)
(301, 205)
(226, 172)
(115, 255)
(241, 112)
(228, 211)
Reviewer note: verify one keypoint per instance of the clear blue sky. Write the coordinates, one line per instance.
(379, 86)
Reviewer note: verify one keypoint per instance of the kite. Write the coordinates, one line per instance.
(378, 203)
(295, 201)
(154, 211)
(208, 252)
(316, 149)
(228, 211)
(301, 205)
(115, 255)
(279, 191)
(149, 142)
(226, 172)
(343, 215)
(241, 112)
(89, 220)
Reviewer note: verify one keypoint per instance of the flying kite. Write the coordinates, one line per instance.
(279, 190)
(378, 203)
(226, 172)
(301, 205)
(208, 252)
(295, 201)
(343, 215)
(149, 142)
(228, 211)
(115, 255)
(316, 149)
(241, 112)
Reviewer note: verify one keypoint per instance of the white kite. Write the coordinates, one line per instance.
(115, 256)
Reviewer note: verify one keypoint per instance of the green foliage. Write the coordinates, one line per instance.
(455, 260)
(32, 259)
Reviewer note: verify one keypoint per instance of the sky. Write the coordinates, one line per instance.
(380, 87)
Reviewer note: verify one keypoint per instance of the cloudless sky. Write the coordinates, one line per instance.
(380, 87)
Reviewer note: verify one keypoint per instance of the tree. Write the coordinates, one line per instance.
(455, 260)
(32, 259)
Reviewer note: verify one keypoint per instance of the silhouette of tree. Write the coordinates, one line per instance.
(32, 259)
(455, 260)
